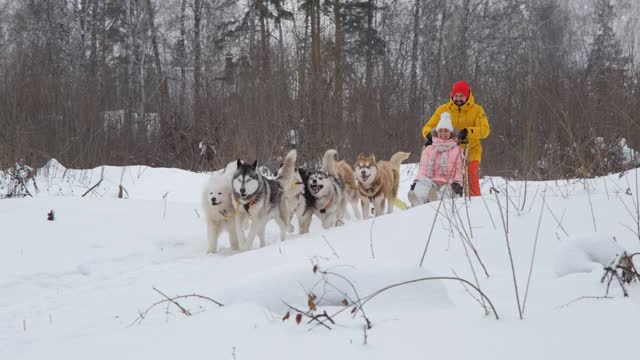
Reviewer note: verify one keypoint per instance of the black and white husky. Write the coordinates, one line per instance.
(328, 189)
(260, 199)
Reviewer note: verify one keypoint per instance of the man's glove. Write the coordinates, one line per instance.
(429, 141)
(457, 188)
(413, 186)
(462, 135)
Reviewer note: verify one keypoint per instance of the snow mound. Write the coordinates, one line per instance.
(334, 282)
(138, 182)
(585, 254)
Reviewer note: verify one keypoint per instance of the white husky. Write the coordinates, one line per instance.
(218, 208)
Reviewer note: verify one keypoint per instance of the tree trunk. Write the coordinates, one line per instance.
(197, 64)
(315, 70)
(463, 43)
(182, 55)
(303, 93)
(338, 76)
(369, 49)
(128, 126)
(94, 43)
(164, 88)
(82, 14)
(413, 88)
(438, 57)
(141, 126)
(262, 6)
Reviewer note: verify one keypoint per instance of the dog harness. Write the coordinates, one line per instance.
(293, 184)
(324, 209)
(370, 193)
(226, 214)
(248, 205)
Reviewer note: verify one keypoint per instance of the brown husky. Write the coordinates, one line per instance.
(379, 181)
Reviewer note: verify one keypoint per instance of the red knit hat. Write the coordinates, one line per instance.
(460, 87)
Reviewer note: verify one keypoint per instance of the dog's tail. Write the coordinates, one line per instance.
(230, 169)
(395, 162)
(397, 159)
(285, 175)
(329, 162)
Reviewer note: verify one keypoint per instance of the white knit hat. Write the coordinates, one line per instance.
(445, 122)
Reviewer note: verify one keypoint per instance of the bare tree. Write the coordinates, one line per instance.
(144, 81)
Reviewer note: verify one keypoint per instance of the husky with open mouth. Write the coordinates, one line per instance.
(260, 199)
(328, 190)
(378, 182)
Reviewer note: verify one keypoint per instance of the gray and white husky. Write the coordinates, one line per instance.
(328, 190)
(261, 199)
(300, 202)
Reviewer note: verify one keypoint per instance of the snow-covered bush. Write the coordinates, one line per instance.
(17, 180)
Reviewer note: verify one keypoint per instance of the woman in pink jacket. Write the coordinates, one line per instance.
(440, 165)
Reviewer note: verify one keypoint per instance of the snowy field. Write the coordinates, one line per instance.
(75, 288)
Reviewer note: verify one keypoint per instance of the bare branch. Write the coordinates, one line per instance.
(378, 292)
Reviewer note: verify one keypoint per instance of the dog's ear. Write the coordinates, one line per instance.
(239, 163)
(373, 157)
(255, 165)
(360, 156)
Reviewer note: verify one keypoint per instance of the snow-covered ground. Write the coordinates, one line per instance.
(74, 288)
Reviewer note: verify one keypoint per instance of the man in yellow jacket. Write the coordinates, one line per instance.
(472, 125)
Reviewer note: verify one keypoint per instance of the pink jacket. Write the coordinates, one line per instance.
(442, 162)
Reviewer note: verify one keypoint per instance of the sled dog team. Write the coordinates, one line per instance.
(240, 197)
